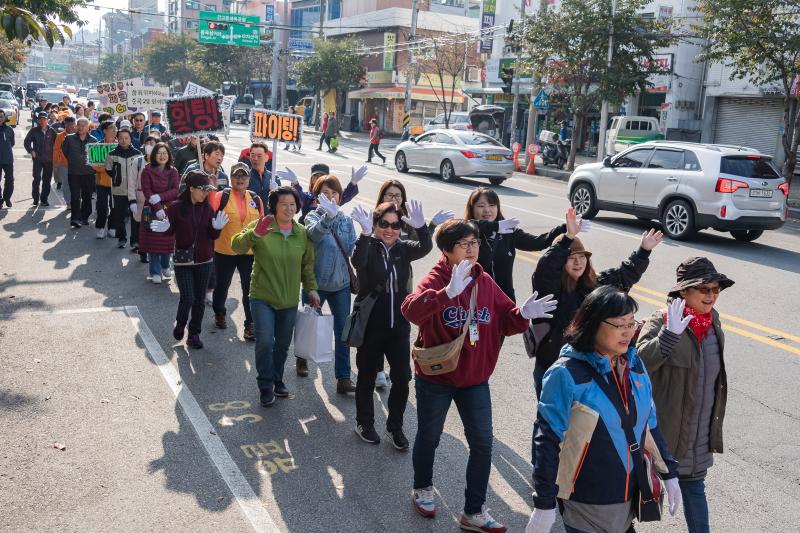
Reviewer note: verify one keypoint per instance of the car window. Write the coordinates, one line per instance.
(476, 138)
(7, 103)
(749, 167)
(633, 159)
(425, 139)
(444, 138)
(690, 161)
(460, 119)
(667, 159)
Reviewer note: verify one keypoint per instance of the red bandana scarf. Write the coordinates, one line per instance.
(700, 324)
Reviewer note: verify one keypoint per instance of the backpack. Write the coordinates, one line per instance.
(226, 196)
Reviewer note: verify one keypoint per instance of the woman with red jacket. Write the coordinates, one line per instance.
(159, 183)
(439, 306)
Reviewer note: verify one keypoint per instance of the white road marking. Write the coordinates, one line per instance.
(251, 506)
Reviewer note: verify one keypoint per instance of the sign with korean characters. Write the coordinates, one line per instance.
(229, 28)
(148, 97)
(268, 125)
(113, 97)
(389, 42)
(194, 115)
(193, 89)
(96, 152)
(488, 11)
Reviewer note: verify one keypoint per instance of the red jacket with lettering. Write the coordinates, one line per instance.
(441, 318)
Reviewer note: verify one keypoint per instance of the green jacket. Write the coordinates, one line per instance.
(281, 263)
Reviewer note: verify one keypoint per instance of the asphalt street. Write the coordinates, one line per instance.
(158, 438)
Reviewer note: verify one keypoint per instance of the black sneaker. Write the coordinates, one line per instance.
(75, 224)
(8, 202)
(398, 439)
(178, 330)
(85, 221)
(122, 243)
(280, 390)
(301, 366)
(368, 434)
(267, 397)
(44, 203)
(194, 341)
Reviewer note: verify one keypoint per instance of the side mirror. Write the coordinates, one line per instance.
(607, 161)
(412, 139)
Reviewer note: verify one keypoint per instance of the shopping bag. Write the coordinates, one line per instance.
(313, 335)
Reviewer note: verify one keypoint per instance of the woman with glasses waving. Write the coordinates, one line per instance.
(383, 262)
(683, 347)
(455, 296)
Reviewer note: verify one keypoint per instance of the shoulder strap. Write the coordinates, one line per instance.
(223, 201)
(257, 199)
(339, 245)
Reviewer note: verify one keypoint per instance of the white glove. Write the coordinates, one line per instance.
(364, 219)
(676, 323)
(541, 308)
(134, 208)
(273, 183)
(459, 279)
(415, 218)
(159, 226)
(357, 174)
(585, 225)
(287, 174)
(674, 496)
(329, 206)
(220, 220)
(154, 199)
(507, 225)
(442, 216)
(160, 214)
(541, 521)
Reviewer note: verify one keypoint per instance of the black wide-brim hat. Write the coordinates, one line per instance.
(698, 271)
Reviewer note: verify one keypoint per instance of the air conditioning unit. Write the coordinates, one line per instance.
(473, 74)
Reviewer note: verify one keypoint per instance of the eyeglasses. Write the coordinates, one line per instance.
(383, 224)
(393, 196)
(630, 326)
(708, 290)
(466, 245)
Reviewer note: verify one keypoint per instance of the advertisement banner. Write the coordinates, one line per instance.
(389, 42)
(96, 152)
(487, 22)
(194, 115)
(113, 97)
(268, 125)
(148, 97)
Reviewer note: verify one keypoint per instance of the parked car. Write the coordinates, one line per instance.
(627, 131)
(34, 86)
(458, 121)
(11, 109)
(454, 153)
(7, 95)
(53, 96)
(92, 95)
(687, 186)
(83, 92)
(242, 107)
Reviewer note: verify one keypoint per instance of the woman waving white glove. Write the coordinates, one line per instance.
(328, 206)
(220, 220)
(676, 322)
(541, 308)
(459, 279)
(442, 216)
(415, 218)
(356, 175)
(364, 219)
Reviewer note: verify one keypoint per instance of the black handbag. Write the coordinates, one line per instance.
(185, 256)
(355, 325)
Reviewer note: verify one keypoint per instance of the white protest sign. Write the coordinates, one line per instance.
(192, 89)
(148, 97)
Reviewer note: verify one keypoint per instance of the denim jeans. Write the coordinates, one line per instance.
(7, 172)
(158, 262)
(474, 406)
(695, 505)
(339, 302)
(273, 329)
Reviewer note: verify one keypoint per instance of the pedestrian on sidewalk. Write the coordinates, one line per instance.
(682, 347)
(194, 226)
(332, 133)
(283, 258)
(447, 302)
(103, 199)
(383, 262)
(80, 174)
(60, 164)
(123, 164)
(241, 207)
(375, 136)
(322, 132)
(334, 238)
(598, 443)
(39, 144)
(159, 182)
(7, 141)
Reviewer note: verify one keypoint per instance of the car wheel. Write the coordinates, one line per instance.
(496, 181)
(400, 162)
(447, 171)
(583, 201)
(746, 235)
(677, 220)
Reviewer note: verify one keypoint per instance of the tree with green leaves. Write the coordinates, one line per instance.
(213, 64)
(759, 40)
(115, 67)
(334, 65)
(12, 56)
(40, 19)
(167, 58)
(569, 47)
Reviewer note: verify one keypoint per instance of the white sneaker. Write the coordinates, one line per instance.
(156, 279)
(101, 233)
(112, 233)
(481, 522)
(380, 380)
(166, 273)
(424, 501)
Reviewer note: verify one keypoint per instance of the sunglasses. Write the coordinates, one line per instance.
(708, 290)
(383, 224)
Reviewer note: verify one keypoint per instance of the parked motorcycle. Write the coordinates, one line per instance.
(554, 151)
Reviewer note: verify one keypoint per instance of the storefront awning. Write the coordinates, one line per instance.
(398, 92)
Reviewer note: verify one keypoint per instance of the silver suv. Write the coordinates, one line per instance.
(687, 186)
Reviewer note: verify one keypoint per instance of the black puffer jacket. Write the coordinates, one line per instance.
(498, 251)
(547, 280)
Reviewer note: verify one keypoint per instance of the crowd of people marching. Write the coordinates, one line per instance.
(627, 410)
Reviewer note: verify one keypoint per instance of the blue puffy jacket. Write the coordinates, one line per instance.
(581, 450)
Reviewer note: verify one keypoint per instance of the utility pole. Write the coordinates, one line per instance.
(516, 79)
(536, 86)
(275, 73)
(318, 103)
(285, 55)
(601, 143)
(409, 75)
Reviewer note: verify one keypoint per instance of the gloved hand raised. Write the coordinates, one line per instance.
(442, 216)
(676, 322)
(541, 521)
(220, 220)
(541, 308)
(159, 226)
(264, 226)
(415, 218)
(287, 174)
(357, 174)
(459, 279)
(328, 206)
(507, 225)
(364, 219)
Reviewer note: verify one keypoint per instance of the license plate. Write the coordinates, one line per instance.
(492, 157)
(761, 193)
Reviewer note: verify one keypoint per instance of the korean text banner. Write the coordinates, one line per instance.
(194, 115)
(113, 97)
(148, 97)
(96, 152)
(268, 125)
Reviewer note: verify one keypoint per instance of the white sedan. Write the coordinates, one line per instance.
(452, 153)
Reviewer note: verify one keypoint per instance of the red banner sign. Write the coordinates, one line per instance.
(194, 115)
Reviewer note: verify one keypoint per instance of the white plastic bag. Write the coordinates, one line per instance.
(313, 335)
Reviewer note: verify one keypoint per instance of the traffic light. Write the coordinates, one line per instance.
(507, 75)
(221, 26)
